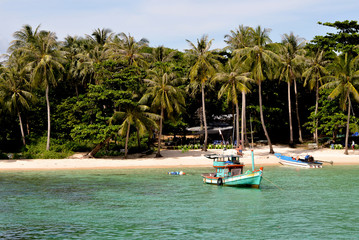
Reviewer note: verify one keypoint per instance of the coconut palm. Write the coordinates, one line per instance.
(239, 38)
(345, 82)
(24, 37)
(134, 114)
(165, 96)
(291, 54)
(316, 70)
(203, 68)
(100, 36)
(234, 82)
(14, 92)
(260, 61)
(44, 61)
(127, 47)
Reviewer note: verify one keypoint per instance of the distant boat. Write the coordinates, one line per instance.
(229, 172)
(306, 162)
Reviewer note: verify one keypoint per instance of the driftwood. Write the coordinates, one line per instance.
(98, 148)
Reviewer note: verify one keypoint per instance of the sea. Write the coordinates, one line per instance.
(292, 203)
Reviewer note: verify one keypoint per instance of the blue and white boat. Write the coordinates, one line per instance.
(229, 172)
(306, 162)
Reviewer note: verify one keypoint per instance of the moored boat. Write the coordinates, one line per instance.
(306, 162)
(229, 172)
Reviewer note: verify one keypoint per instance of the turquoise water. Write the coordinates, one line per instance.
(149, 204)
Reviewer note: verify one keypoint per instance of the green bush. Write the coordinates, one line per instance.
(3, 155)
(338, 146)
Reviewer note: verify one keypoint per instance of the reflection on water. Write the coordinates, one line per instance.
(149, 204)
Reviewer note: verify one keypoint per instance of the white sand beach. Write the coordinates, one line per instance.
(176, 159)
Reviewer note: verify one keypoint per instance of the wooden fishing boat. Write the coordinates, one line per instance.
(229, 172)
(306, 162)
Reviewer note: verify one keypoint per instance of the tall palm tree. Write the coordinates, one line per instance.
(203, 68)
(344, 81)
(239, 39)
(44, 61)
(14, 92)
(234, 82)
(165, 96)
(134, 114)
(260, 62)
(316, 70)
(291, 53)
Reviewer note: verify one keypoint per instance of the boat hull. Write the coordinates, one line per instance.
(289, 161)
(252, 179)
(300, 164)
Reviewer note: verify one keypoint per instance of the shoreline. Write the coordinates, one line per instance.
(176, 159)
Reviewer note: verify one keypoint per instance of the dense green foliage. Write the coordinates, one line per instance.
(109, 90)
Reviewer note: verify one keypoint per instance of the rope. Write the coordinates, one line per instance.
(272, 183)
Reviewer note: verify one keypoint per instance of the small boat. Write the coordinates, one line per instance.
(229, 172)
(306, 162)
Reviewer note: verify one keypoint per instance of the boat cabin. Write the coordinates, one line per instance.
(227, 165)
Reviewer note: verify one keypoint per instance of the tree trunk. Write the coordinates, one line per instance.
(48, 119)
(262, 118)
(138, 141)
(290, 117)
(158, 154)
(21, 128)
(243, 118)
(98, 147)
(316, 112)
(127, 137)
(347, 131)
(237, 125)
(297, 112)
(204, 121)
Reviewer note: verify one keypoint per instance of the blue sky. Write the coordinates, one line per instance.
(171, 22)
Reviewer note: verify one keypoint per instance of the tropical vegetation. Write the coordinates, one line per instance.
(106, 93)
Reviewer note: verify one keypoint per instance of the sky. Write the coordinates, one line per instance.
(171, 22)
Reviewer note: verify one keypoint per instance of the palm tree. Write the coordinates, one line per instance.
(239, 38)
(260, 61)
(44, 61)
(313, 75)
(165, 96)
(100, 36)
(134, 114)
(128, 48)
(234, 82)
(344, 81)
(24, 37)
(204, 67)
(291, 53)
(14, 92)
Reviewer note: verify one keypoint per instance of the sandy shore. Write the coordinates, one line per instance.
(176, 159)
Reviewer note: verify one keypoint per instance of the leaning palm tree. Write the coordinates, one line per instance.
(234, 82)
(260, 61)
(134, 114)
(344, 82)
(44, 62)
(203, 68)
(165, 96)
(292, 57)
(313, 76)
(14, 92)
